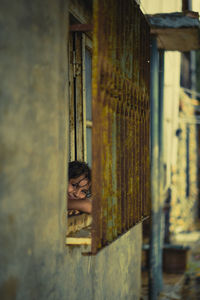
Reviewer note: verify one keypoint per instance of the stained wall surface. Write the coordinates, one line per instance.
(35, 263)
(185, 196)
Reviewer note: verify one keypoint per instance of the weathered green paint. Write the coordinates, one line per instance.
(35, 263)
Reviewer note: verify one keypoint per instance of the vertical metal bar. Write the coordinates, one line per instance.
(96, 143)
(97, 179)
(110, 142)
(135, 71)
(114, 156)
(79, 97)
(74, 93)
(130, 157)
(142, 116)
(155, 270)
(137, 157)
(138, 118)
(161, 158)
(187, 192)
(123, 170)
(114, 171)
(161, 116)
(126, 157)
(105, 175)
(84, 97)
(134, 157)
(140, 113)
(142, 159)
(147, 154)
(71, 101)
(119, 178)
(131, 170)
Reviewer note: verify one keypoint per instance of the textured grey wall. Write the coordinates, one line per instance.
(114, 273)
(35, 263)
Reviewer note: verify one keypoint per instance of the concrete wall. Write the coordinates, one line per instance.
(185, 198)
(171, 111)
(35, 263)
(195, 5)
(160, 6)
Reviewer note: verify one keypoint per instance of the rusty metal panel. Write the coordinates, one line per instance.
(121, 117)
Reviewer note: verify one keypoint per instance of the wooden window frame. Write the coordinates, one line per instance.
(78, 229)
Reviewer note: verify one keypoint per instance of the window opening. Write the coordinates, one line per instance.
(80, 51)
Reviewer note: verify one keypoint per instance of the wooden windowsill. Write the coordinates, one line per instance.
(82, 237)
(79, 230)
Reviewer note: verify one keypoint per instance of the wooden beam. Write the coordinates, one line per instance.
(176, 31)
(81, 27)
(177, 39)
(78, 241)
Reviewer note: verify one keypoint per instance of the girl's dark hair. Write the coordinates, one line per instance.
(77, 168)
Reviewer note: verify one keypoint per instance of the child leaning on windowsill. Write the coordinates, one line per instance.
(79, 186)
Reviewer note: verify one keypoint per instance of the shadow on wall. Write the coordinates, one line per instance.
(8, 289)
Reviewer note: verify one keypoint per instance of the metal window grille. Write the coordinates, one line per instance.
(121, 117)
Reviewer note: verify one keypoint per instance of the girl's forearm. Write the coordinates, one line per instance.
(82, 205)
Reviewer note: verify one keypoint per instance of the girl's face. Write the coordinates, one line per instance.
(78, 188)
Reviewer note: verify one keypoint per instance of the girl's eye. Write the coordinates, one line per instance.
(74, 184)
(84, 192)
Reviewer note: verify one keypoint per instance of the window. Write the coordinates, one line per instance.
(80, 144)
(120, 118)
(80, 108)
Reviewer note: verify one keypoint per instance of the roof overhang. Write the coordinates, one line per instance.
(176, 31)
